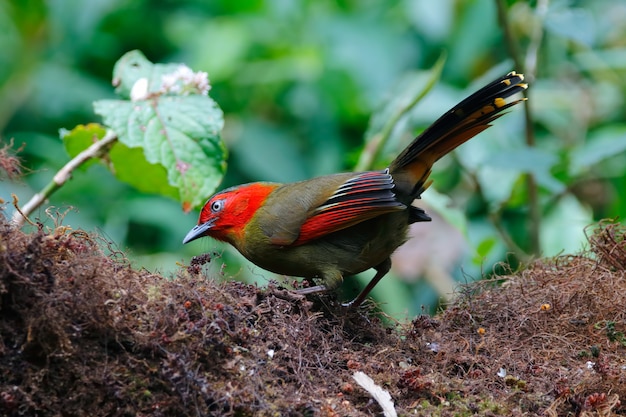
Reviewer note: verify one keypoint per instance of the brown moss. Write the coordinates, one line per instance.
(82, 333)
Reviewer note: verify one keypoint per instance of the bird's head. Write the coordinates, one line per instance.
(227, 213)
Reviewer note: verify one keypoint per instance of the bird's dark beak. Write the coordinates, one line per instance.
(197, 232)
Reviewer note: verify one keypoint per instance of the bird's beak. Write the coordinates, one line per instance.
(198, 231)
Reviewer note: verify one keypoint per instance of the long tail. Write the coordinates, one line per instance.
(471, 116)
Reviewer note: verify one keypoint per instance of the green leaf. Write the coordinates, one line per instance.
(130, 166)
(602, 144)
(442, 204)
(576, 24)
(179, 132)
(133, 66)
(500, 173)
(534, 161)
(562, 228)
(276, 146)
(80, 138)
(485, 247)
(489, 248)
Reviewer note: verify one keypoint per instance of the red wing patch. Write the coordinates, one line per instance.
(362, 197)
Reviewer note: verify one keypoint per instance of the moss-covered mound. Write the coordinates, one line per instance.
(83, 334)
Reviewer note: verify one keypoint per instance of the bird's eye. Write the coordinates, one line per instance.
(217, 206)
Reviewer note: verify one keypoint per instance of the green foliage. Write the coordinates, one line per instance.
(176, 127)
(130, 165)
(601, 145)
(167, 131)
(407, 93)
(127, 164)
(81, 138)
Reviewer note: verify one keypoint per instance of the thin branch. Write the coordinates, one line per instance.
(496, 219)
(495, 216)
(61, 177)
(375, 145)
(536, 37)
(511, 44)
(534, 209)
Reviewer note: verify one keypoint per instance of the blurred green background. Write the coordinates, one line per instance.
(298, 82)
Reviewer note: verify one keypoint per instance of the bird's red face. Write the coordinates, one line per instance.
(227, 213)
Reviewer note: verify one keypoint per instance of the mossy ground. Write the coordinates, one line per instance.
(84, 334)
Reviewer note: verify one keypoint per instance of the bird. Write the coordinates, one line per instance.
(335, 226)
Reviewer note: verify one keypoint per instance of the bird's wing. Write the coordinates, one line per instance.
(361, 197)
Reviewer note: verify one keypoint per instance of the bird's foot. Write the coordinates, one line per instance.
(354, 304)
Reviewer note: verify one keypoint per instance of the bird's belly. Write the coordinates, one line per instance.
(348, 251)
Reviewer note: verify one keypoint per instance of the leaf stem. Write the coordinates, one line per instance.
(495, 216)
(496, 219)
(529, 70)
(62, 176)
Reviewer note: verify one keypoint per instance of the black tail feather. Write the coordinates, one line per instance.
(459, 124)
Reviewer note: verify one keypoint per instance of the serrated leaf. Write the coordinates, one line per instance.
(80, 138)
(180, 132)
(133, 66)
(130, 166)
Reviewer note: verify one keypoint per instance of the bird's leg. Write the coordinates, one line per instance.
(381, 271)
